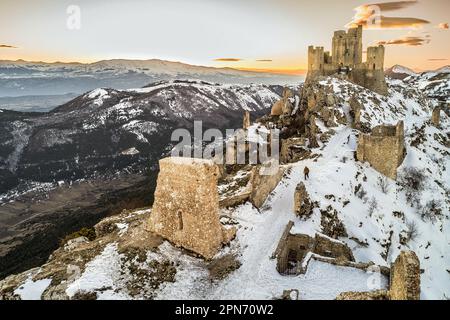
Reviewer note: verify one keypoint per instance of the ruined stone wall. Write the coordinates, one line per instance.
(404, 282)
(332, 248)
(405, 277)
(292, 251)
(186, 207)
(384, 152)
(436, 117)
(263, 184)
(371, 73)
(371, 79)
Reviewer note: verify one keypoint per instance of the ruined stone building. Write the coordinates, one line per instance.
(186, 207)
(384, 148)
(346, 59)
(294, 251)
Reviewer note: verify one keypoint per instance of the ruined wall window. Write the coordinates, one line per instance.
(374, 66)
(180, 220)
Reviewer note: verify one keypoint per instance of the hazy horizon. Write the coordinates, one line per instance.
(253, 35)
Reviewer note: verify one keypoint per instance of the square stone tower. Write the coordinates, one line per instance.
(186, 207)
(347, 48)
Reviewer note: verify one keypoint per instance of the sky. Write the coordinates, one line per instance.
(246, 34)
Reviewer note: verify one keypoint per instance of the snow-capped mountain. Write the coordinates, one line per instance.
(434, 84)
(399, 72)
(380, 217)
(23, 78)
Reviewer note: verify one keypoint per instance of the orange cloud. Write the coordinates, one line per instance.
(437, 59)
(228, 59)
(294, 72)
(370, 16)
(7, 46)
(408, 41)
(264, 60)
(443, 25)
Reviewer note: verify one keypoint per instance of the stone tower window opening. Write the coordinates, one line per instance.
(180, 220)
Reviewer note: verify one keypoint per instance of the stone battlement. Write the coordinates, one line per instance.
(347, 58)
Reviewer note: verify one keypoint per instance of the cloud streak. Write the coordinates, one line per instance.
(228, 59)
(370, 16)
(437, 59)
(264, 60)
(7, 46)
(443, 26)
(407, 41)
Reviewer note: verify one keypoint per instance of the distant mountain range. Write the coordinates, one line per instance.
(23, 78)
(434, 84)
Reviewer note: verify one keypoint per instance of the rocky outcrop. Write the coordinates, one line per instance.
(186, 207)
(405, 277)
(264, 180)
(355, 112)
(436, 117)
(284, 105)
(303, 206)
(293, 150)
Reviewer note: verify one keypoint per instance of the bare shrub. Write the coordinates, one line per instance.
(412, 180)
(373, 205)
(383, 183)
(413, 231)
(360, 192)
(432, 210)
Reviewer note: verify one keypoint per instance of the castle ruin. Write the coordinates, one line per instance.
(295, 250)
(186, 207)
(384, 148)
(346, 59)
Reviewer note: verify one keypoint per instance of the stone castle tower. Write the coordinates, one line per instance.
(347, 47)
(346, 59)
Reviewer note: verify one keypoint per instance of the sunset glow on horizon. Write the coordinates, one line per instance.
(257, 35)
